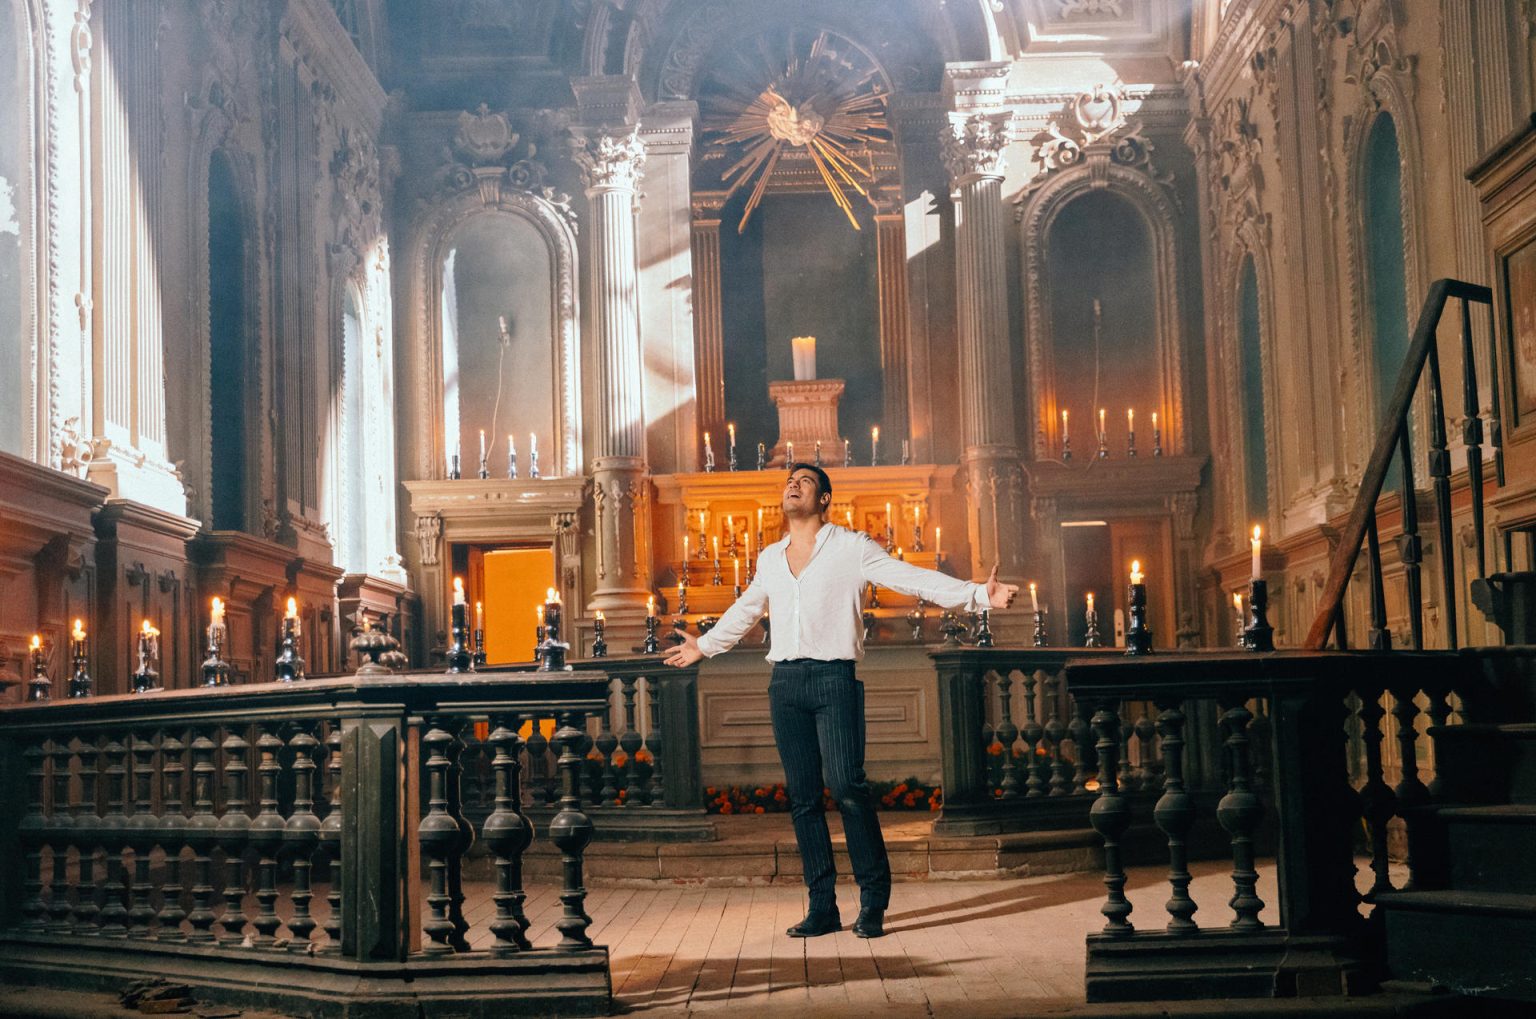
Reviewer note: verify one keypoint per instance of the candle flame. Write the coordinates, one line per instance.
(1136, 573)
(1090, 601)
(600, 616)
(293, 608)
(79, 633)
(731, 428)
(650, 605)
(552, 596)
(874, 433)
(458, 585)
(37, 642)
(1255, 532)
(1237, 601)
(539, 612)
(146, 628)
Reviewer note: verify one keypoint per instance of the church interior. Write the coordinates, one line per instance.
(390, 380)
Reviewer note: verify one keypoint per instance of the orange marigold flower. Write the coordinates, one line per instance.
(759, 810)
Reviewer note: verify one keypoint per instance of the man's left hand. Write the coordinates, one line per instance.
(999, 594)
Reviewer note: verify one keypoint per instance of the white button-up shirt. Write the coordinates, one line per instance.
(819, 613)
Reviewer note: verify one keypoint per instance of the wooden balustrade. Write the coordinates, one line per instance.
(1280, 720)
(211, 835)
(1018, 751)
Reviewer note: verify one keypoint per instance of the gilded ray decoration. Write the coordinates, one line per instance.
(816, 93)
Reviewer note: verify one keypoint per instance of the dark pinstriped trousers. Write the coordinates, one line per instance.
(818, 724)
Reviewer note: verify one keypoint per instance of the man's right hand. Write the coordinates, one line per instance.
(685, 653)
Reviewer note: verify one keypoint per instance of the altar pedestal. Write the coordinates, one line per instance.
(808, 415)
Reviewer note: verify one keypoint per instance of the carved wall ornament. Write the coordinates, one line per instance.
(1090, 9)
(973, 146)
(484, 138)
(75, 453)
(610, 160)
(429, 536)
(1093, 129)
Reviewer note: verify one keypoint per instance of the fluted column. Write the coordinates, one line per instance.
(611, 159)
(891, 263)
(973, 154)
(708, 326)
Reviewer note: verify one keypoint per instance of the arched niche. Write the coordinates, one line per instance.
(1250, 356)
(1104, 233)
(1246, 440)
(471, 264)
(1383, 264)
(349, 447)
(19, 348)
(233, 448)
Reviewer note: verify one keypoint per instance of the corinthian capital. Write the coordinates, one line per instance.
(973, 145)
(610, 160)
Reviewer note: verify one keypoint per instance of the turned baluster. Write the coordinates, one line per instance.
(539, 769)
(114, 914)
(630, 742)
(86, 821)
(438, 834)
(172, 835)
(519, 895)
(1146, 761)
(301, 834)
(570, 830)
(202, 834)
(266, 836)
(654, 744)
(143, 826)
(1130, 774)
(1239, 812)
(330, 837)
(32, 832)
(233, 835)
(989, 734)
(1375, 796)
(607, 745)
(1055, 730)
(1034, 780)
(1175, 815)
(1439, 717)
(1078, 730)
(465, 840)
(61, 835)
(1007, 733)
(1410, 791)
(507, 833)
(1110, 815)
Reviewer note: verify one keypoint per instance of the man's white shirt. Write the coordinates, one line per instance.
(819, 614)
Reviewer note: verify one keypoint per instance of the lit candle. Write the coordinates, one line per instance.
(1154, 422)
(759, 518)
(1237, 602)
(701, 523)
(1034, 597)
(1090, 603)
(680, 586)
(1130, 419)
(874, 445)
(79, 631)
(533, 443)
(803, 355)
(37, 644)
(458, 590)
(850, 520)
(685, 548)
(538, 611)
(938, 542)
(479, 615)
(650, 607)
(1101, 424)
(730, 429)
(1136, 574)
(888, 518)
(482, 445)
(709, 452)
(789, 452)
(736, 568)
(293, 609)
(1258, 565)
(1065, 435)
(216, 616)
(901, 554)
(715, 540)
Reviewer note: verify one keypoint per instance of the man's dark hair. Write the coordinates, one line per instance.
(823, 483)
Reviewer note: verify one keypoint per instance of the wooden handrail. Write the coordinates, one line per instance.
(1393, 426)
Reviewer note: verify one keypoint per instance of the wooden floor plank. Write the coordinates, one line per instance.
(713, 984)
(642, 981)
(677, 983)
(750, 977)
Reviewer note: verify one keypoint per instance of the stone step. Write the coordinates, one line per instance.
(1488, 845)
(1479, 943)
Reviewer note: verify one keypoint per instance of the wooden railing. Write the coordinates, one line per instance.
(1393, 441)
(267, 843)
(1324, 942)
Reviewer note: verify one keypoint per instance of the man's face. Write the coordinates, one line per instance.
(800, 497)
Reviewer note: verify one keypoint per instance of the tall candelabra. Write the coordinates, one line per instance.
(40, 687)
(145, 677)
(459, 658)
(1138, 635)
(553, 657)
(1091, 618)
(80, 683)
(289, 666)
(215, 668)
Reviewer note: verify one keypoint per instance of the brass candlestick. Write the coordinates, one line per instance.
(762, 456)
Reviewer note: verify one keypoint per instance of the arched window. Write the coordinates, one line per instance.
(16, 233)
(229, 375)
(498, 268)
(1386, 266)
(1251, 364)
(352, 468)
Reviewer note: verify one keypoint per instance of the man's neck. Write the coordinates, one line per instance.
(803, 529)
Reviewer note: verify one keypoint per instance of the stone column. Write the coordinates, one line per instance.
(891, 262)
(611, 156)
(708, 324)
(973, 142)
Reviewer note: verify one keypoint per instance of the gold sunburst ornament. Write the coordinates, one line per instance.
(829, 101)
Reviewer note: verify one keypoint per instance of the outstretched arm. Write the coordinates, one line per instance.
(884, 570)
(733, 625)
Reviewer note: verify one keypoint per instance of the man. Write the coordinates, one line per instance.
(813, 582)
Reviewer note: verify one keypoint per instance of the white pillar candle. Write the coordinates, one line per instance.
(1034, 597)
(803, 353)
(1258, 564)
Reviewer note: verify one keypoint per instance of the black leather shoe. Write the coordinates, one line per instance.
(870, 924)
(815, 925)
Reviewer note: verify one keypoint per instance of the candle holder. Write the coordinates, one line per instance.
(215, 669)
(1039, 634)
(715, 580)
(533, 464)
(145, 677)
(1103, 453)
(848, 454)
(453, 467)
(874, 596)
(651, 646)
(289, 666)
(372, 647)
(1259, 635)
(731, 457)
(1242, 626)
(1066, 448)
(868, 619)
(1092, 638)
(1138, 636)
(917, 537)
(1157, 441)
(707, 623)
(599, 644)
(459, 658)
(762, 456)
(984, 630)
(538, 643)
(512, 465)
(951, 629)
(682, 600)
(906, 452)
(485, 470)
(479, 652)
(1130, 443)
(709, 458)
(80, 683)
(915, 619)
(40, 687)
(553, 658)
(679, 628)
